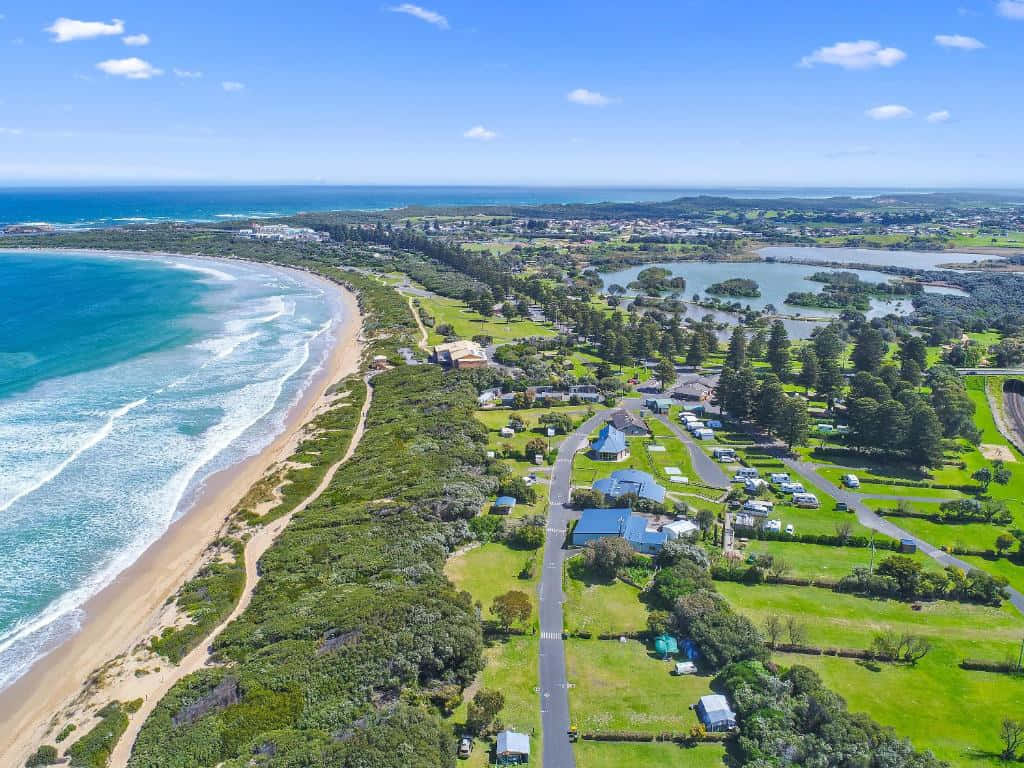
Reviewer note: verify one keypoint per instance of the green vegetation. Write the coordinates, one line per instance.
(597, 754)
(351, 604)
(94, 748)
(735, 286)
(626, 687)
(600, 604)
(206, 599)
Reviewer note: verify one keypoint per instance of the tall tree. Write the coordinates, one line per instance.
(808, 377)
(771, 400)
(778, 349)
(869, 349)
(830, 379)
(924, 436)
(697, 351)
(666, 372)
(793, 423)
(827, 344)
(755, 349)
(914, 349)
(736, 357)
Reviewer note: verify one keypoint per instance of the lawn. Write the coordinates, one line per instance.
(814, 561)
(949, 535)
(490, 570)
(912, 699)
(599, 604)
(511, 663)
(622, 686)
(954, 713)
(467, 323)
(605, 754)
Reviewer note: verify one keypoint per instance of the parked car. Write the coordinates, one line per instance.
(790, 529)
(465, 747)
(851, 481)
(842, 506)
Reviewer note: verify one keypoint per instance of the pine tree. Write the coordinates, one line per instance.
(808, 377)
(778, 349)
(736, 357)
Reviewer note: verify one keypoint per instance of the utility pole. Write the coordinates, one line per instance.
(871, 567)
(1020, 658)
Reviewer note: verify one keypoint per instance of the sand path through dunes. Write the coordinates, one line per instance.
(254, 550)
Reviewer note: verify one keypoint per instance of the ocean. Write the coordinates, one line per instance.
(118, 206)
(124, 384)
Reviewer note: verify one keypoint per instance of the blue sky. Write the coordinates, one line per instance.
(689, 92)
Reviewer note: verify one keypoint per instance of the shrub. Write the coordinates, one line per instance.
(45, 755)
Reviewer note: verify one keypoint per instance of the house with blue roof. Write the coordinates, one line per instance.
(610, 445)
(630, 482)
(597, 524)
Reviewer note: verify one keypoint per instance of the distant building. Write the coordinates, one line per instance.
(629, 424)
(698, 390)
(586, 393)
(283, 232)
(625, 482)
(610, 445)
(716, 714)
(658, 404)
(460, 354)
(504, 505)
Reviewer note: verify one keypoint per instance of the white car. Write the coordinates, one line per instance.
(851, 481)
(789, 529)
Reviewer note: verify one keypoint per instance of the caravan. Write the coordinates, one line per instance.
(745, 473)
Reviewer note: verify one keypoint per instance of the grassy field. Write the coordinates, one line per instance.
(912, 699)
(623, 686)
(816, 561)
(511, 663)
(467, 323)
(597, 754)
(599, 604)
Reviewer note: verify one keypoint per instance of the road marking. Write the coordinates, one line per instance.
(550, 635)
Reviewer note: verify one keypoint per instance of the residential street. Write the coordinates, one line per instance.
(871, 519)
(554, 692)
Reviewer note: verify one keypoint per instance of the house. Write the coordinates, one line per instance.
(698, 390)
(587, 393)
(658, 404)
(624, 482)
(716, 714)
(629, 424)
(597, 524)
(504, 505)
(610, 445)
(462, 354)
(380, 362)
(512, 748)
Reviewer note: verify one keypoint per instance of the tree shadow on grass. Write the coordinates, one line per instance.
(870, 666)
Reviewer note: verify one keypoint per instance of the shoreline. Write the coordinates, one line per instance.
(132, 607)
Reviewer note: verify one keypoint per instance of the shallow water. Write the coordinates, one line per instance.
(133, 380)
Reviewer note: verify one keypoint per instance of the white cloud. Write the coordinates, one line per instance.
(11, 131)
(889, 112)
(133, 68)
(938, 117)
(963, 42)
(431, 17)
(862, 54)
(479, 133)
(65, 30)
(232, 86)
(189, 74)
(136, 40)
(588, 98)
(1012, 9)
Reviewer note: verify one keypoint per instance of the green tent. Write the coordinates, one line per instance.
(666, 645)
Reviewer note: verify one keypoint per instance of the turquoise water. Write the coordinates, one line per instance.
(124, 384)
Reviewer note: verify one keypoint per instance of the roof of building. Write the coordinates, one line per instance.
(513, 742)
(637, 532)
(716, 709)
(610, 440)
(680, 527)
(457, 350)
(623, 419)
(623, 482)
(505, 501)
(603, 521)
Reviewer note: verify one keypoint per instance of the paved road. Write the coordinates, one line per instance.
(990, 371)
(707, 469)
(871, 519)
(554, 687)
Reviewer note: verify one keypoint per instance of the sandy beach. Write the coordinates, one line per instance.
(98, 663)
